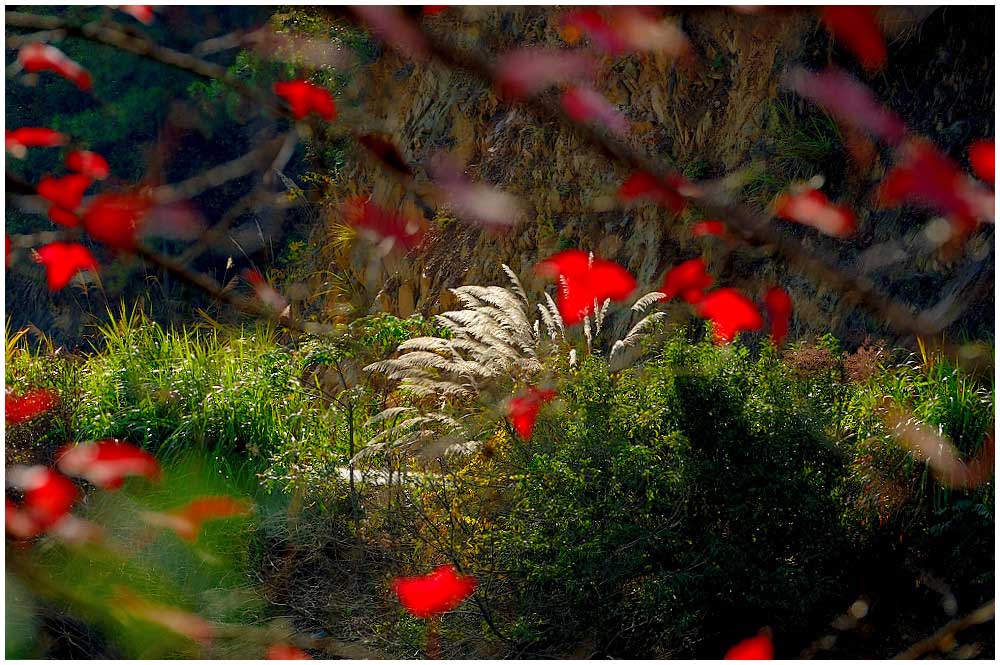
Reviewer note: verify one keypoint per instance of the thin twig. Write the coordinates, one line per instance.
(947, 633)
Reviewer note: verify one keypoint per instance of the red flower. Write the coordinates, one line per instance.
(583, 280)
(114, 218)
(305, 98)
(187, 520)
(585, 105)
(855, 27)
(982, 155)
(730, 312)
(688, 280)
(665, 191)
(754, 648)
(88, 163)
(286, 652)
(381, 226)
(708, 227)
(779, 311)
(21, 408)
(18, 141)
(48, 496)
(107, 463)
(436, 593)
(523, 409)
(67, 191)
(62, 260)
(811, 207)
(37, 57)
(64, 217)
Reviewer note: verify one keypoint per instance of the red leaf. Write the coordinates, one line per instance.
(88, 163)
(688, 280)
(585, 105)
(474, 202)
(286, 652)
(779, 310)
(187, 520)
(754, 648)
(982, 156)
(625, 29)
(811, 207)
(18, 141)
(526, 71)
(434, 10)
(433, 594)
(856, 28)
(48, 496)
(115, 218)
(591, 23)
(665, 192)
(141, 13)
(67, 191)
(267, 293)
(849, 101)
(381, 226)
(20, 408)
(583, 280)
(392, 26)
(708, 227)
(731, 312)
(64, 217)
(18, 523)
(523, 409)
(107, 463)
(62, 260)
(386, 152)
(305, 98)
(925, 176)
(37, 57)
(183, 623)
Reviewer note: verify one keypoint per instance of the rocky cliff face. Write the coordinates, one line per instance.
(718, 113)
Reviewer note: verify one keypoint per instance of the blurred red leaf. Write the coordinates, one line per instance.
(386, 152)
(526, 71)
(583, 280)
(88, 163)
(286, 652)
(708, 227)
(267, 293)
(17, 142)
(585, 105)
(523, 409)
(848, 100)
(21, 408)
(48, 496)
(382, 227)
(64, 217)
(730, 312)
(688, 280)
(590, 22)
(107, 463)
(141, 13)
(67, 191)
(392, 26)
(925, 176)
(434, 10)
(855, 27)
(18, 523)
(664, 192)
(623, 29)
(115, 218)
(187, 520)
(62, 260)
(440, 591)
(759, 647)
(304, 98)
(982, 156)
(811, 207)
(37, 57)
(183, 623)
(779, 310)
(474, 202)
